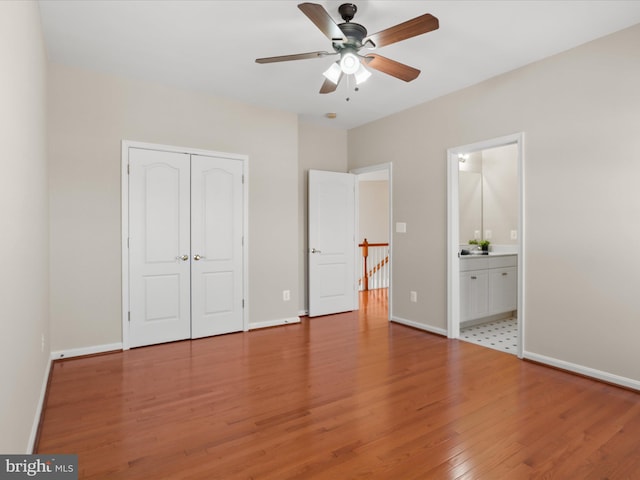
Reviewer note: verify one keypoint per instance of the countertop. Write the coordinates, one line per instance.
(490, 254)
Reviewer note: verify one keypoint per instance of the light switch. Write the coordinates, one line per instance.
(401, 227)
(514, 234)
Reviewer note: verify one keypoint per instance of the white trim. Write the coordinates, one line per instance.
(126, 144)
(453, 241)
(582, 370)
(79, 352)
(376, 168)
(420, 326)
(274, 323)
(36, 419)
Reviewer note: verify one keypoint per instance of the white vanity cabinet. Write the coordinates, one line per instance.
(488, 286)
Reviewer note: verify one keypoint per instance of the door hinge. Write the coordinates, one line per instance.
(127, 242)
(243, 178)
(129, 316)
(128, 169)
(243, 303)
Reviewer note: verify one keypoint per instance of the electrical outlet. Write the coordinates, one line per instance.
(286, 295)
(487, 234)
(414, 296)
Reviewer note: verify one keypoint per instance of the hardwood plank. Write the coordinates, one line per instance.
(342, 396)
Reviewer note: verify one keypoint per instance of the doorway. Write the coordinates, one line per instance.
(184, 251)
(489, 283)
(374, 184)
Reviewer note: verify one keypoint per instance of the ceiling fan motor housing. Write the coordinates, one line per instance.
(354, 32)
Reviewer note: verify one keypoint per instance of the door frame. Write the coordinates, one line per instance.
(453, 240)
(124, 173)
(388, 167)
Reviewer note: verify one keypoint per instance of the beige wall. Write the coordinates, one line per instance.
(320, 148)
(373, 211)
(89, 115)
(24, 294)
(580, 112)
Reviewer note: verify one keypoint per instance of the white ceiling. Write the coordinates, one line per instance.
(210, 46)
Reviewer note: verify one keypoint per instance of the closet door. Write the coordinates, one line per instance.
(216, 245)
(159, 242)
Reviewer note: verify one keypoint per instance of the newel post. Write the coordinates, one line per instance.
(365, 254)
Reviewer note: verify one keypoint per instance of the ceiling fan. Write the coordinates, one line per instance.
(348, 38)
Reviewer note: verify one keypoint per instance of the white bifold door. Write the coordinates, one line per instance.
(185, 246)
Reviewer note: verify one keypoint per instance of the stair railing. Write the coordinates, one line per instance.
(375, 265)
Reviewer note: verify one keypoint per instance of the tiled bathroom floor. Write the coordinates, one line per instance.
(500, 335)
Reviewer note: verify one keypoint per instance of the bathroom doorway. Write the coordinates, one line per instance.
(485, 207)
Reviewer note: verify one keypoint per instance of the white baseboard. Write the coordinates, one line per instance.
(582, 370)
(78, 352)
(274, 323)
(36, 418)
(420, 326)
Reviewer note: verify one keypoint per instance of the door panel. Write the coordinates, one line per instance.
(332, 286)
(216, 239)
(158, 237)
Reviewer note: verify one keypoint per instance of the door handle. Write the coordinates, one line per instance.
(313, 250)
(184, 258)
(197, 257)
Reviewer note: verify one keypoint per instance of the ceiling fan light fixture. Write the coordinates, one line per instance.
(349, 62)
(362, 74)
(333, 73)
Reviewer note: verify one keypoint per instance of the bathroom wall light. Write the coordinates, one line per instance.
(463, 157)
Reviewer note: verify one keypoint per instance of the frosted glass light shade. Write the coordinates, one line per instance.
(362, 75)
(333, 73)
(349, 63)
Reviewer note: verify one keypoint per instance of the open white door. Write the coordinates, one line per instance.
(332, 244)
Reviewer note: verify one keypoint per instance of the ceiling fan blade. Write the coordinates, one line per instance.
(297, 56)
(391, 67)
(411, 28)
(321, 19)
(328, 86)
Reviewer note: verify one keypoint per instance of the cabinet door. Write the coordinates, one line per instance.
(503, 288)
(474, 294)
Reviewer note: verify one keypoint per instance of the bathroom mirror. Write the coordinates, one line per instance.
(470, 201)
(488, 195)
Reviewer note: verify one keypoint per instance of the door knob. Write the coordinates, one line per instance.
(313, 250)
(184, 258)
(197, 257)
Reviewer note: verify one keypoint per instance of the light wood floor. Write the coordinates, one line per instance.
(339, 397)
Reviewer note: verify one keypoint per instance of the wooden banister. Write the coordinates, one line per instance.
(365, 254)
